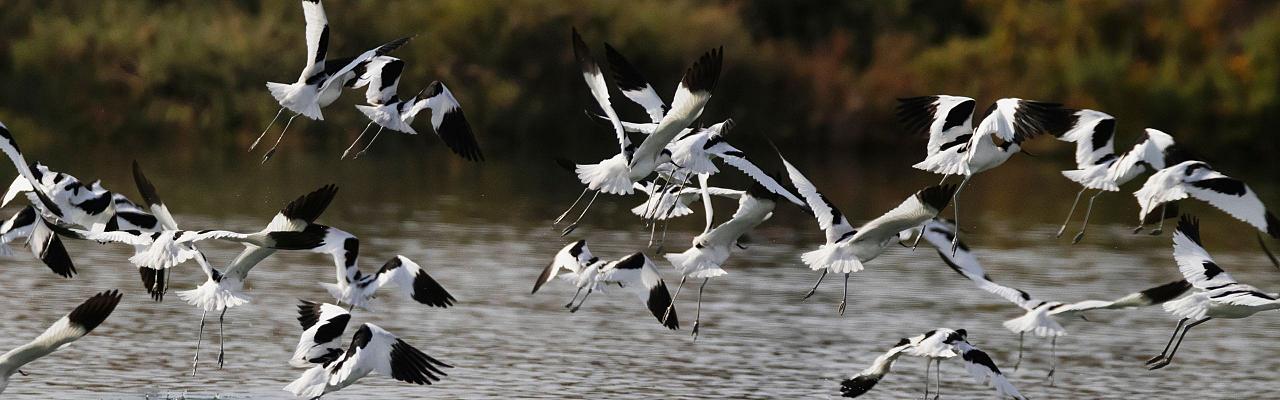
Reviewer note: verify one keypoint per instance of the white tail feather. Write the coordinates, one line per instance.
(946, 163)
(216, 296)
(1194, 306)
(311, 384)
(1036, 322)
(298, 97)
(832, 257)
(612, 176)
(387, 116)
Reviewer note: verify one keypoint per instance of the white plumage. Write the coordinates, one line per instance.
(82, 320)
(935, 345)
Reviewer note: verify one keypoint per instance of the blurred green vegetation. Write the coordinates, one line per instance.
(187, 77)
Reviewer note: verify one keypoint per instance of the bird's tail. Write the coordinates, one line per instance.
(1193, 306)
(310, 385)
(216, 295)
(669, 207)
(348, 294)
(387, 116)
(946, 163)
(298, 97)
(830, 256)
(162, 254)
(612, 176)
(1037, 323)
(1094, 177)
(695, 263)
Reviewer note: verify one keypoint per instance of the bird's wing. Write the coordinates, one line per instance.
(1164, 186)
(317, 33)
(382, 76)
(1149, 297)
(48, 247)
(633, 85)
(739, 160)
(10, 148)
(1193, 261)
(129, 237)
(599, 90)
(573, 258)
(448, 120)
(20, 185)
(152, 199)
(338, 75)
(753, 209)
(691, 96)
(939, 233)
(1244, 295)
(295, 216)
(984, 370)
(1093, 132)
(830, 219)
(414, 282)
(79, 322)
(1231, 196)
(867, 379)
(375, 349)
(322, 325)
(638, 274)
(944, 119)
(1015, 120)
(19, 224)
(915, 210)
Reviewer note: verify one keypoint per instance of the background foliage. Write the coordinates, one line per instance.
(187, 77)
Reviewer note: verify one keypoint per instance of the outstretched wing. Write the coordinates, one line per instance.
(1149, 297)
(939, 233)
(830, 219)
(1015, 120)
(374, 349)
(984, 370)
(382, 75)
(739, 160)
(79, 322)
(414, 282)
(573, 258)
(317, 34)
(295, 216)
(944, 119)
(1193, 261)
(322, 325)
(448, 120)
(1231, 196)
(152, 199)
(338, 76)
(599, 90)
(691, 96)
(637, 273)
(1094, 134)
(633, 85)
(915, 210)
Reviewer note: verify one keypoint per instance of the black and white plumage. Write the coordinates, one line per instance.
(955, 149)
(43, 243)
(1196, 179)
(382, 76)
(1042, 318)
(82, 320)
(574, 259)
(1094, 133)
(356, 288)
(372, 350)
(935, 345)
(635, 273)
(322, 326)
(321, 80)
(846, 248)
(1217, 294)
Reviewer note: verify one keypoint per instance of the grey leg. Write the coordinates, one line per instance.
(815, 285)
(845, 298)
(574, 225)
(1087, 213)
(1070, 213)
(347, 152)
(571, 206)
(673, 300)
(698, 317)
(264, 131)
(221, 339)
(199, 333)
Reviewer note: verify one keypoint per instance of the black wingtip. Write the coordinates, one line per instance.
(1190, 226)
(428, 291)
(659, 303)
(154, 282)
(298, 240)
(1169, 291)
(566, 164)
(145, 187)
(937, 197)
(858, 385)
(625, 76)
(705, 73)
(1273, 226)
(96, 309)
(582, 54)
(308, 313)
(308, 207)
(392, 45)
(56, 258)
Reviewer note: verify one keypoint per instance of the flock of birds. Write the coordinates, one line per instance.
(671, 164)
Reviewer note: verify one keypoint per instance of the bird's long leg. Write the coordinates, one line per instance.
(353, 144)
(574, 225)
(845, 298)
(928, 362)
(659, 190)
(1168, 359)
(370, 144)
(1142, 219)
(1021, 335)
(1160, 228)
(1270, 256)
(698, 316)
(944, 179)
(1053, 366)
(672, 306)
(264, 131)
(815, 285)
(584, 300)
(955, 208)
(272, 152)
(571, 206)
(199, 333)
(575, 298)
(938, 372)
(1087, 212)
(1070, 212)
(221, 339)
(1176, 329)
(666, 221)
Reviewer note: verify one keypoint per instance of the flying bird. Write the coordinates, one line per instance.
(73, 326)
(1217, 294)
(635, 273)
(372, 350)
(935, 345)
(1196, 179)
(382, 76)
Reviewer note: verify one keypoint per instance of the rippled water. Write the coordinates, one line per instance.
(484, 234)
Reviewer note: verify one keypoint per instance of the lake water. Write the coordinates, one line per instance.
(485, 233)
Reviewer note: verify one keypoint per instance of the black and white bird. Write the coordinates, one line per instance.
(73, 326)
(385, 108)
(1042, 318)
(956, 147)
(633, 164)
(1217, 294)
(372, 350)
(1098, 167)
(1196, 179)
(321, 80)
(635, 273)
(224, 289)
(847, 248)
(709, 250)
(935, 345)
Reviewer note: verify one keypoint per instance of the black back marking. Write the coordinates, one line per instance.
(1166, 292)
(633, 261)
(96, 205)
(1103, 132)
(93, 311)
(141, 220)
(390, 73)
(323, 47)
(1211, 269)
(981, 358)
(351, 252)
(959, 114)
(332, 329)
